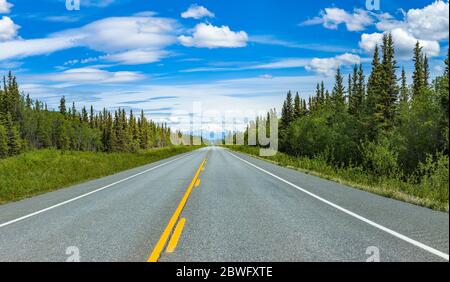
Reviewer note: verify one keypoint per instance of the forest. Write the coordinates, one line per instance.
(375, 124)
(27, 124)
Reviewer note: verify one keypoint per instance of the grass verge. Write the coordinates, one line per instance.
(422, 194)
(41, 171)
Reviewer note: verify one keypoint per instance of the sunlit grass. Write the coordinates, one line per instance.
(431, 192)
(41, 171)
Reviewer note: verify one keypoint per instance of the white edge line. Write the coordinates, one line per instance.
(374, 224)
(87, 194)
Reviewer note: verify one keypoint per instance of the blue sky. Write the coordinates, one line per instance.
(161, 56)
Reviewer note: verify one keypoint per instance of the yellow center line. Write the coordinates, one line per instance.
(173, 220)
(176, 236)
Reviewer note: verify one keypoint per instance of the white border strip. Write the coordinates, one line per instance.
(87, 194)
(376, 225)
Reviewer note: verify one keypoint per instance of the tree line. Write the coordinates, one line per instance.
(375, 121)
(28, 124)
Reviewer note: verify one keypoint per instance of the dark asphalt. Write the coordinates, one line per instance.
(239, 212)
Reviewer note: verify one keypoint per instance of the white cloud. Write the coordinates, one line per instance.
(271, 40)
(92, 76)
(8, 29)
(113, 36)
(429, 23)
(24, 48)
(5, 7)
(404, 43)
(137, 57)
(97, 3)
(197, 12)
(209, 36)
(124, 33)
(283, 64)
(266, 76)
(328, 66)
(331, 18)
(323, 66)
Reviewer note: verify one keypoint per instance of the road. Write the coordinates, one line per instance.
(216, 205)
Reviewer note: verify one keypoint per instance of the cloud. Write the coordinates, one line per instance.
(92, 76)
(124, 33)
(266, 76)
(404, 43)
(24, 48)
(270, 40)
(429, 23)
(331, 18)
(328, 66)
(62, 19)
(119, 38)
(5, 7)
(137, 56)
(197, 12)
(323, 66)
(97, 3)
(8, 29)
(209, 36)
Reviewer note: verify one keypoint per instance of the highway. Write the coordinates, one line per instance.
(217, 205)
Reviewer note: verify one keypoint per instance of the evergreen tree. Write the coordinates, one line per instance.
(84, 115)
(62, 106)
(13, 135)
(404, 91)
(386, 102)
(426, 72)
(418, 75)
(91, 117)
(297, 107)
(4, 151)
(355, 100)
(74, 111)
(337, 95)
(287, 111)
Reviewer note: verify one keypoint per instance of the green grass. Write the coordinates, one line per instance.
(41, 171)
(431, 192)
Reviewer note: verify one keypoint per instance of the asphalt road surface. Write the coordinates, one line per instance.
(216, 205)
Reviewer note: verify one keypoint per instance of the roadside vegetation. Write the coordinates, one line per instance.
(27, 124)
(376, 132)
(39, 171)
(44, 149)
(429, 191)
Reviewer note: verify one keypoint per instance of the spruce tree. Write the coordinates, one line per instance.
(287, 112)
(337, 96)
(4, 151)
(426, 72)
(404, 91)
(297, 107)
(62, 106)
(387, 101)
(13, 135)
(373, 92)
(91, 117)
(418, 75)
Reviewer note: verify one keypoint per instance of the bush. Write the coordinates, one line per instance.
(380, 159)
(434, 177)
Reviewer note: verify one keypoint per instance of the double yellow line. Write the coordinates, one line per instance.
(173, 220)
